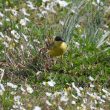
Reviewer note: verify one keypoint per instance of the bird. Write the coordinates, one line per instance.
(58, 47)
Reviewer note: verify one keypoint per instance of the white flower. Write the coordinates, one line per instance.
(8, 38)
(29, 89)
(1, 14)
(91, 85)
(106, 92)
(37, 108)
(25, 37)
(51, 83)
(62, 3)
(85, 100)
(77, 89)
(1, 35)
(73, 102)
(22, 47)
(61, 22)
(6, 44)
(15, 34)
(45, 1)
(7, 19)
(98, 1)
(80, 88)
(94, 3)
(13, 93)
(2, 89)
(48, 103)
(60, 108)
(24, 21)
(22, 89)
(48, 94)
(91, 78)
(57, 94)
(77, 44)
(17, 98)
(17, 103)
(50, 7)
(1, 23)
(64, 99)
(30, 5)
(23, 10)
(44, 83)
(14, 12)
(12, 85)
(1, 73)
(77, 26)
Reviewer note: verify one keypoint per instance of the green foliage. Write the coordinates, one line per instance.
(6, 100)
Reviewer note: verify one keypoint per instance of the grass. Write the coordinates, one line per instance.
(79, 81)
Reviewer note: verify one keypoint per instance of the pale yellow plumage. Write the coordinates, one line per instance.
(58, 48)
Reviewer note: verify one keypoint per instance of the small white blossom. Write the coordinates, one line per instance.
(77, 26)
(45, 1)
(24, 21)
(30, 5)
(37, 108)
(22, 89)
(91, 78)
(17, 103)
(85, 100)
(77, 89)
(13, 93)
(73, 102)
(1, 24)
(91, 85)
(64, 98)
(7, 19)
(23, 10)
(61, 22)
(94, 3)
(29, 89)
(2, 89)
(48, 103)
(17, 98)
(44, 83)
(1, 73)
(77, 44)
(9, 84)
(98, 1)
(1, 14)
(25, 37)
(15, 34)
(60, 108)
(62, 3)
(80, 88)
(14, 12)
(48, 94)
(105, 91)
(50, 7)
(6, 44)
(8, 38)
(1, 35)
(22, 47)
(51, 83)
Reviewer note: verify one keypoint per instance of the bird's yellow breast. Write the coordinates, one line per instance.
(58, 48)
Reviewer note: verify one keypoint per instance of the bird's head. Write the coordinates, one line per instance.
(58, 38)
